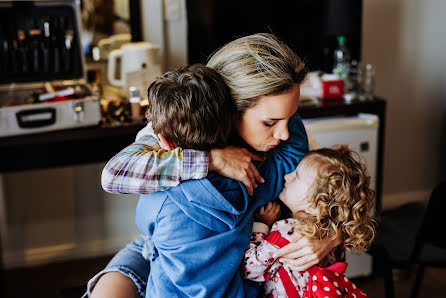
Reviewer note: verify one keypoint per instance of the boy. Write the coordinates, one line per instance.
(189, 107)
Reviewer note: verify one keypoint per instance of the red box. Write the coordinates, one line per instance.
(333, 89)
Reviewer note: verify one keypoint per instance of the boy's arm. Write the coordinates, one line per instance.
(144, 167)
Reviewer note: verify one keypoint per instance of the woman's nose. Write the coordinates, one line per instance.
(281, 133)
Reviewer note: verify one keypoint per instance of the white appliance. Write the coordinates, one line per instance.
(132, 56)
(360, 133)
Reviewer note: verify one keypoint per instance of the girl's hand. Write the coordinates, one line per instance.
(304, 253)
(268, 214)
(234, 162)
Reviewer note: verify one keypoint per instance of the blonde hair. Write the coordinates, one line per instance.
(257, 65)
(342, 197)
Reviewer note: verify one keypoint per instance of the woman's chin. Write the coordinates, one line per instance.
(263, 148)
(282, 197)
(259, 148)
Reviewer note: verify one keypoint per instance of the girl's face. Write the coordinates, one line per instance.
(295, 193)
(266, 124)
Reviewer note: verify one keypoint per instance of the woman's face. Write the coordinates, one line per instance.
(266, 124)
(296, 190)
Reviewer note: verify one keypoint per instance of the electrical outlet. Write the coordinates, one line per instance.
(172, 10)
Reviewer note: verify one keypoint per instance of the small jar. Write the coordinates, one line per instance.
(135, 104)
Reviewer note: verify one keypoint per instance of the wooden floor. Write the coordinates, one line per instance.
(68, 280)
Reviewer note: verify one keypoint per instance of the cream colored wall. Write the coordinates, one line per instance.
(407, 42)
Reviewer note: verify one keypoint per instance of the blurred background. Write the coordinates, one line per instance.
(58, 215)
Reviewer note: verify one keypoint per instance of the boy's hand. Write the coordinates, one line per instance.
(268, 214)
(234, 162)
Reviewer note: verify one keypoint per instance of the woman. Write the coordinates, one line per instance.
(263, 75)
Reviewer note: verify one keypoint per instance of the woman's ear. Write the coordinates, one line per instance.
(165, 143)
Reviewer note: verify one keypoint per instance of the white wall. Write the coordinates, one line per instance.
(164, 22)
(406, 40)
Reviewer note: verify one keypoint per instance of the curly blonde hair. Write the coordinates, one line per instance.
(342, 197)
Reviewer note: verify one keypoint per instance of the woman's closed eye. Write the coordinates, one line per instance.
(269, 123)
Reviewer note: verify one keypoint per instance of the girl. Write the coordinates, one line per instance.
(329, 196)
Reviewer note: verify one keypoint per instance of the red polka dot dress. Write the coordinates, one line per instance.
(330, 282)
(279, 280)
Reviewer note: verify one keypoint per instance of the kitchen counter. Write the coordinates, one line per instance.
(99, 144)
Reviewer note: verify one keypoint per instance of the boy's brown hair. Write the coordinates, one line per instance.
(343, 199)
(191, 107)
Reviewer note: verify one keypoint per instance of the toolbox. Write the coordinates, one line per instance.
(42, 69)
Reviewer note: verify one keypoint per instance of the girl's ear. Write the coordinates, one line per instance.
(165, 143)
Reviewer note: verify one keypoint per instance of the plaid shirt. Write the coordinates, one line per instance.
(144, 167)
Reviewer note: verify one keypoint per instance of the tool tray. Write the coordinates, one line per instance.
(39, 47)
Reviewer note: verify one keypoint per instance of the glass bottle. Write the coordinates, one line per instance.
(341, 63)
